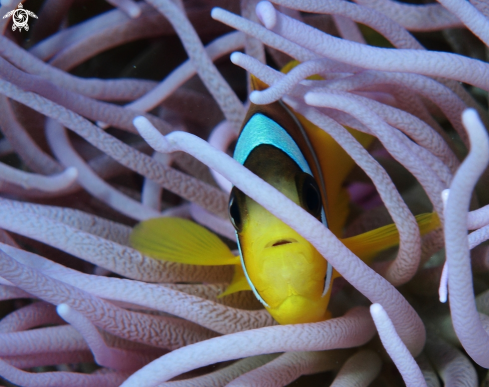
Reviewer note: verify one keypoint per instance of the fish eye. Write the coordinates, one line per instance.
(235, 211)
(309, 194)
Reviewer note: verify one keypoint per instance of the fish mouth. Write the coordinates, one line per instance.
(281, 242)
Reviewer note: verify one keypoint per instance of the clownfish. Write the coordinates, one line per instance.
(284, 271)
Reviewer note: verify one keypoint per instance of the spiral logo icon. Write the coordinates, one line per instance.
(20, 17)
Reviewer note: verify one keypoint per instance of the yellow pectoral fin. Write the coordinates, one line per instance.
(238, 283)
(180, 240)
(367, 245)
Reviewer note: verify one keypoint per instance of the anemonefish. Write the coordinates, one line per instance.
(284, 271)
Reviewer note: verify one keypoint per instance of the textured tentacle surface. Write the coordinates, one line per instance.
(69, 199)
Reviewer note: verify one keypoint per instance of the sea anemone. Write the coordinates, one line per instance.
(116, 113)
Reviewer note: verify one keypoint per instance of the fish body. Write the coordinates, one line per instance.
(285, 272)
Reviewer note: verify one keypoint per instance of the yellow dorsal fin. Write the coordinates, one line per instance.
(238, 284)
(336, 164)
(257, 84)
(293, 63)
(180, 240)
(367, 245)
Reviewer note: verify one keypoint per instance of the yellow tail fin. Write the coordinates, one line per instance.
(367, 245)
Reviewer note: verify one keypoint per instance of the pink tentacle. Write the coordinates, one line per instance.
(359, 370)
(114, 358)
(462, 306)
(83, 221)
(343, 332)
(36, 341)
(253, 47)
(452, 365)
(30, 152)
(129, 7)
(210, 314)
(95, 88)
(411, 61)
(364, 14)
(226, 98)
(290, 366)
(223, 376)
(63, 150)
(30, 316)
(60, 378)
(396, 349)
(451, 105)
(8, 291)
(220, 138)
(348, 29)
(428, 17)
(151, 192)
(95, 110)
(392, 140)
(267, 37)
(478, 236)
(102, 252)
(188, 187)
(49, 359)
(65, 37)
(28, 181)
(478, 218)
(163, 332)
(215, 49)
(470, 17)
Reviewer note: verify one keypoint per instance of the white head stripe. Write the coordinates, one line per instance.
(262, 130)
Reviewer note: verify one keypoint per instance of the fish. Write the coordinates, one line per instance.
(283, 270)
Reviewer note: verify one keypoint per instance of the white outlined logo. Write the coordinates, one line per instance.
(20, 17)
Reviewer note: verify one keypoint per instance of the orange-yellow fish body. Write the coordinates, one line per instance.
(285, 272)
(283, 269)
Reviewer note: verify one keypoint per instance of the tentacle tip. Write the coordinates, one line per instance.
(311, 98)
(215, 12)
(469, 114)
(255, 97)
(152, 136)
(266, 14)
(375, 309)
(444, 196)
(235, 57)
(476, 130)
(307, 98)
(443, 288)
(134, 12)
(102, 125)
(71, 173)
(63, 310)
